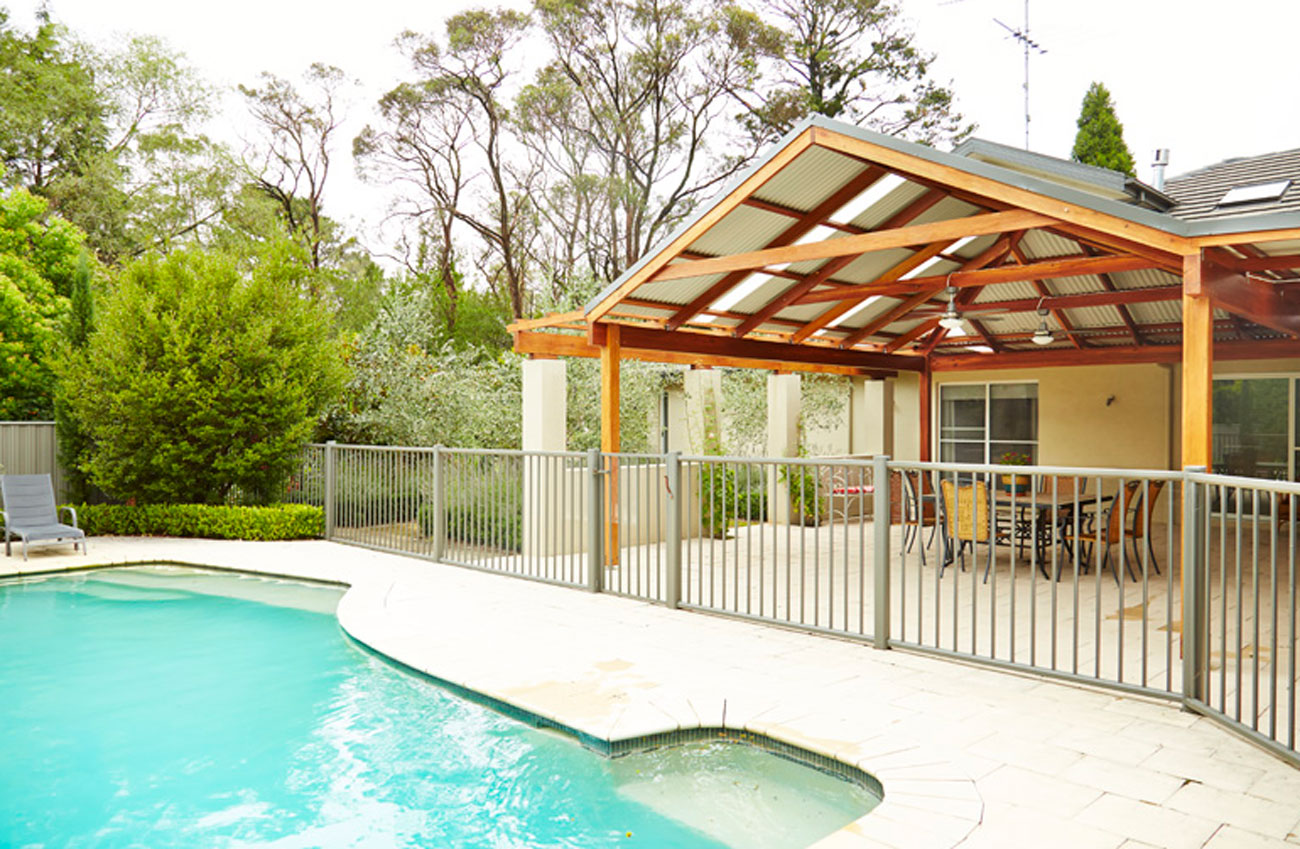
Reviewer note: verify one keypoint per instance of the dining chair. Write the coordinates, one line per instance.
(1111, 533)
(966, 511)
(1144, 508)
(919, 512)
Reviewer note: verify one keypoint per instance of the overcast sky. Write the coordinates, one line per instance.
(1208, 80)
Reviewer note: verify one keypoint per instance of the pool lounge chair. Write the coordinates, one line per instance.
(30, 515)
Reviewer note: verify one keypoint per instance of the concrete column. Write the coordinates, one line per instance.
(784, 402)
(873, 417)
(545, 394)
(703, 419)
(544, 405)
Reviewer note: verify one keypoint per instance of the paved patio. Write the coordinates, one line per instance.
(967, 756)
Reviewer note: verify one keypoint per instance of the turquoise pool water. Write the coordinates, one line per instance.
(171, 708)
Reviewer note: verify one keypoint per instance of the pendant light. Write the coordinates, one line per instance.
(1043, 335)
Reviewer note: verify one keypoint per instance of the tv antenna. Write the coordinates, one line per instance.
(1030, 46)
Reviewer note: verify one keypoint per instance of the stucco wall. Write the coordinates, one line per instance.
(1109, 416)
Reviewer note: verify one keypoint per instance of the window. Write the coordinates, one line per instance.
(979, 422)
(1252, 432)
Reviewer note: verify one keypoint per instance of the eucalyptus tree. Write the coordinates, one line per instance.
(448, 140)
(291, 165)
(856, 60)
(640, 127)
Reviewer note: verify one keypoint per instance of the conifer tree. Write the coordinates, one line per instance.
(1100, 140)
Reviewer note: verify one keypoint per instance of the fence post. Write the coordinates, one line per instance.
(673, 479)
(880, 513)
(595, 523)
(439, 504)
(1193, 586)
(330, 487)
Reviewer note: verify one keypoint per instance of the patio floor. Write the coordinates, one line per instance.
(968, 756)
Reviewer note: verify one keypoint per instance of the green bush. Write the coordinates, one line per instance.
(207, 521)
(203, 377)
(484, 507)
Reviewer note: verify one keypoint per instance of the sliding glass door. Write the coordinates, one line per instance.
(1254, 431)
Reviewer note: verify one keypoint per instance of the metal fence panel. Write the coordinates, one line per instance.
(31, 448)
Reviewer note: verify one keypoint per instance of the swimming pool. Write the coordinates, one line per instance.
(174, 708)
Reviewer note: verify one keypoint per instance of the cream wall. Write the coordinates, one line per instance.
(1105, 416)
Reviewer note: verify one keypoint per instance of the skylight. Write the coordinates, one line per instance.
(869, 197)
(739, 292)
(1256, 193)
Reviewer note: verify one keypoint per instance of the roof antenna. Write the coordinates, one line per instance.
(1022, 35)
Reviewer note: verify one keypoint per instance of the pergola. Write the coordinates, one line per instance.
(842, 250)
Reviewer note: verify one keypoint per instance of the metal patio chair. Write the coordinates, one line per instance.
(30, 515)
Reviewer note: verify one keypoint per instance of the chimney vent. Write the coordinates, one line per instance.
(1158, 164)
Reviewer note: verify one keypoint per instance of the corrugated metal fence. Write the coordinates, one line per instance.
(30, 448)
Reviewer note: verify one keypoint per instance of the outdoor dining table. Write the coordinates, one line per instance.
(1038, 517)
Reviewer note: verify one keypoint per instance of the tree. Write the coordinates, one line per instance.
(450, 140)
(52, 118)
(1100, 139)
(294, 164)
(73, 440)
(849, 59)
(633, 121)
(203, 377)
(39, 256)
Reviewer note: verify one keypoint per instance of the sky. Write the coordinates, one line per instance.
(1207, 80)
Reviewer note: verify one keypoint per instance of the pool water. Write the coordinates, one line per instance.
(157, 707)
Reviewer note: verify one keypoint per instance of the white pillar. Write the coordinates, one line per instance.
(784, 401)
(544, 405)
(873, 417)
(545, 394)
(703, 392)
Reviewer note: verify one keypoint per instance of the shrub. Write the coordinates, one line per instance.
(202, 379)
(208, 521)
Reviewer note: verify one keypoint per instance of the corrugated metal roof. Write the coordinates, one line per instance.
(1199, 192)
(811, 178)
(745, 228)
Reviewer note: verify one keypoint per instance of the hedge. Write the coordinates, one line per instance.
(208, 521)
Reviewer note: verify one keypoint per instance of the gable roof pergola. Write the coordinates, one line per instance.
(835, 250)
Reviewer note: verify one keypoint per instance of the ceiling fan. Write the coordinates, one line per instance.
(954, 317)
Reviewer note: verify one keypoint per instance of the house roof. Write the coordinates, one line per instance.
(847, 240)
(1199, 193)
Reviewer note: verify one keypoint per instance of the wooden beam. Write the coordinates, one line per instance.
(572, 345)
(1198, 364)
(709, 348)
(916, 260)
(900, 237)
(713, 215)
(1272, 305)
(1249, 237)
(1054, 357)
(610, 361)
(791, 234)
(1268, 263)
(923, 432)
(1124, 315)
(1042, 270)
(993, 253)
(1060, 316)
(904, 216)
(551, 320)
(791, 212)
(909, 164)
(609, 387)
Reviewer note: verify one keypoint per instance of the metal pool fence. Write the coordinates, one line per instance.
(1180, 585)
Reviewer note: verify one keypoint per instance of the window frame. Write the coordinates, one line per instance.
(938, 440)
